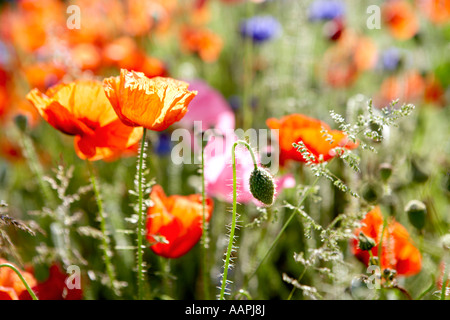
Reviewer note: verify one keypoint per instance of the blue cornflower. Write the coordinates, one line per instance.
(390, 59)
(326, 10)
(260, 28)
(164, 145)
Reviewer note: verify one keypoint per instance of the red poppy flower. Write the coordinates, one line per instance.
(178, 219)
(11, 286)
(54, 288)
(397, 251)
(154, 103)
(400, 18)
(81, 109)
(297, 127)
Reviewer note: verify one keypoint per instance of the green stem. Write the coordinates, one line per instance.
(140, 226)
(288, 221)
(205, 268)
(234, 216)
(36, 168)
(12, 267)
(298, 280)
(102, 218)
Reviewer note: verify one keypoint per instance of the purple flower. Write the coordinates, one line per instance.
(260, 28)
(391, 58)
(326, 10)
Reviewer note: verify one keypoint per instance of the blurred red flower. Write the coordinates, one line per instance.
(297, 127)
(178, 219)
(124, 53)
(438, 11)
(407, 87)
(11, 287)
(54, 288)
(347, 58)
(398, 252)
(42, 75)
(154, 103)
(203, 42)
(401, 19)
(81, 109)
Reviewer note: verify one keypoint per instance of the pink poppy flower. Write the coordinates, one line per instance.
(219, 171)
(209, 107)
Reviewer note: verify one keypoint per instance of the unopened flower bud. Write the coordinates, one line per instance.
(385, 171)
(417, 212)
(419, 172)
(372, 192)
(262, 186)
(21, 122)
(365, 243)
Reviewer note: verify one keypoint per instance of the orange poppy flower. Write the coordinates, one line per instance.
(406, 87)
(203, 42)
(154, 103)
(296, 127)
(42, 75)
(81, 109)
(400, 18)
(10, 284)
(397, 251)
(178, 219)
(438, 11)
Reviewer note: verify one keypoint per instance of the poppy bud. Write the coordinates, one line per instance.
(262, 186)
(21, 122)
(371, 192)
(416, 211)
(419, 173)
(366, 243)
(385, 171)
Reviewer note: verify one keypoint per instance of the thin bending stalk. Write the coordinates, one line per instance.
(27, 286)
(233, 223)
(105, 242)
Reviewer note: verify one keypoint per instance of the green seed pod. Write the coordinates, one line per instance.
(417, 212)
(372, 192)
(385, 171)
(21, 122)
(262, 186)
(366, 243)
(419, 171)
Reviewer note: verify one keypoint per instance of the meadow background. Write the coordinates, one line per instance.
(302, 61)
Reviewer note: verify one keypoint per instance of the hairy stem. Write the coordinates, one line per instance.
(105, 238)
(205, 268)
(140, 226)
(27, 286)
(234, 214)
(274, 242)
